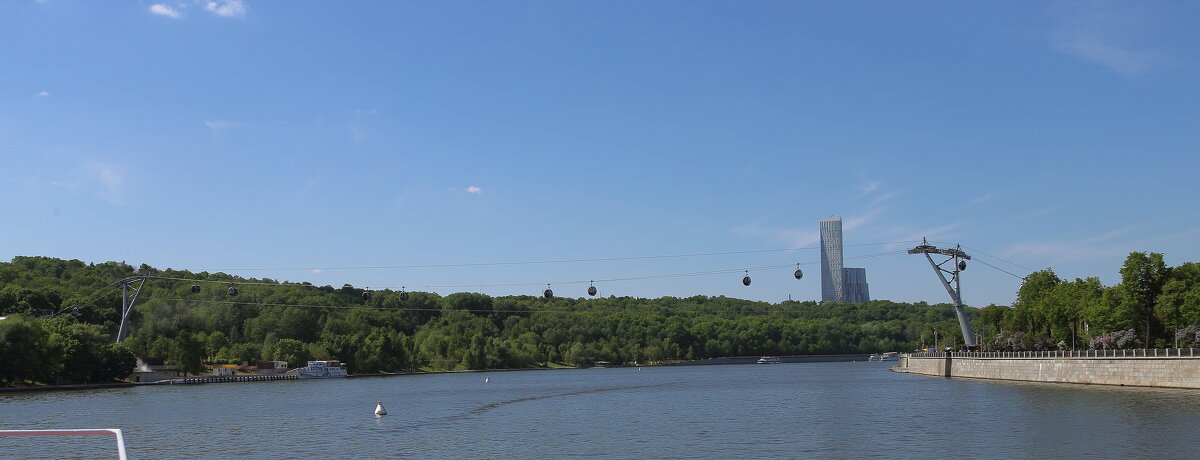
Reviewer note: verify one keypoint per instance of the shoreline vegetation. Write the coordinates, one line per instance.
(738, 360)
(60, 318)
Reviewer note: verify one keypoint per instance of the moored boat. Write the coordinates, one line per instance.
(769, 360)
(322, 370)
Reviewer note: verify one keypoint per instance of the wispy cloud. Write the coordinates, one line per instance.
(227, 8)
(164, 10)
(1105, 34)
(883, 197)
(475, 190)
(868, 188)
(111, 182)
(219, 127)
(853, 222)
(977, 200)
(1054, 253)
(906, 235)
(43, 93)
(1107, 236)
(1185, 233)
(795, 238)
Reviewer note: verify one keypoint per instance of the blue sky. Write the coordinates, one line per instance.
(317, 136)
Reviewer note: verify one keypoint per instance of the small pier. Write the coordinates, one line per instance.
(233, 378)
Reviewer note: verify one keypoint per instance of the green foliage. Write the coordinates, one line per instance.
(59, 351)
(1142, 279)
(1153, 298)
(298, 322)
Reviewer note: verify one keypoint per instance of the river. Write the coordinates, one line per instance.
(811, 410)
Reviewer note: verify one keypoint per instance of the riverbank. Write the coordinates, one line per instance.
(244, 378)
(78, 386)
(204, 379)
(1160, 368)
(785, 359)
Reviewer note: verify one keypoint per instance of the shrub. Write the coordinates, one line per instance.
(1116, 340)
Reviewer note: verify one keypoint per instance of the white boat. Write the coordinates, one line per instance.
(322, 370)
(890, 356)
(769, 360)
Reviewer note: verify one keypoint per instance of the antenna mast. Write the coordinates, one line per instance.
(959, 264)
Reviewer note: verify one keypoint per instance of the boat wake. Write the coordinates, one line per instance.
(482, 409)
(488, 407)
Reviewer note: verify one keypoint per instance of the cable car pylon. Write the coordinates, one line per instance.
(959, 264)
(127, 302)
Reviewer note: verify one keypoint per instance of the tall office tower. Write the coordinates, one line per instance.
(833, 288)
(856, 285)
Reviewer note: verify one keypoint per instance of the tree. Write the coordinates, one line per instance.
(291, 350)
(187, 352)
(116, 362)
(1178, 306)
(1142, 279)
(24, 351)
(1031, 306)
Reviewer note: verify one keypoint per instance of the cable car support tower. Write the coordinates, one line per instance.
(127, 302)
(959, 259)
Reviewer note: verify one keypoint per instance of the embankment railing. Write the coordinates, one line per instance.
(1151, 353)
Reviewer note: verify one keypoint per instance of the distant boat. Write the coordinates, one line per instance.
(322, 370)
(769, 360)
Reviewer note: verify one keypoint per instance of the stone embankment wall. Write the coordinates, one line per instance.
(1169, 367)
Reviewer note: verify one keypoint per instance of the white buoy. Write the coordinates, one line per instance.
(379, 408)
(487, 379)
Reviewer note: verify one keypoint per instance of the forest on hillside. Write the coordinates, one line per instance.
(62, 316)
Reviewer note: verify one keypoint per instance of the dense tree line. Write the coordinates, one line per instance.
(62, 315)
(50, 302)
(1153, 306)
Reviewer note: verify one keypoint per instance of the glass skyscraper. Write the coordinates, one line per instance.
(832, 287)
(838, 283)
(856, 285)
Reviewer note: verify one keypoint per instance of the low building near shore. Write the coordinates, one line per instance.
(224, 369)
(153, 370)
(271, 367)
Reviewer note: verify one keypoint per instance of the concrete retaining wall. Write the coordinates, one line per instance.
(1171, 368)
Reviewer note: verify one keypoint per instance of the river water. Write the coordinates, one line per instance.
(810, 410)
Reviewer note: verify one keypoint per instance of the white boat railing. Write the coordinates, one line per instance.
(83, 432)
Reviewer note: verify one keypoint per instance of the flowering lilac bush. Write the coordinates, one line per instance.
(1043, 345)
(1003, 342)
(1189, 336)
(1020, 341)
(1116, 340)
